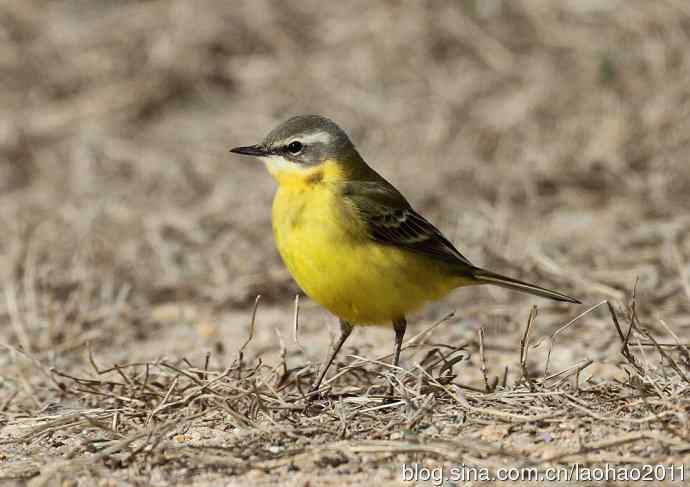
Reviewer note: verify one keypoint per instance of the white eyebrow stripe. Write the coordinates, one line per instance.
(319, 137)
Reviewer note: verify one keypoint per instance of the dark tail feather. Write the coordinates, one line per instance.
(488, 277)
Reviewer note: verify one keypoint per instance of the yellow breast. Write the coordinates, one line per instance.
(326, 249)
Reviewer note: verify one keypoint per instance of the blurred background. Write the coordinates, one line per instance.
(549, 140)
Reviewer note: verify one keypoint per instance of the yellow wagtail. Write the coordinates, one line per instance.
(350, 239)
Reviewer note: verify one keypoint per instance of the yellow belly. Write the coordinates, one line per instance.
(356, 279)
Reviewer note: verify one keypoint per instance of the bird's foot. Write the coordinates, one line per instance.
(390, 398)
(315, 394)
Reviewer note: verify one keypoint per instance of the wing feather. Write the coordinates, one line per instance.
(390, 220)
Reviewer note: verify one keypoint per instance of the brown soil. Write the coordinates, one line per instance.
(548, 140)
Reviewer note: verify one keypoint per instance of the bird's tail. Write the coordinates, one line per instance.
(488, 277)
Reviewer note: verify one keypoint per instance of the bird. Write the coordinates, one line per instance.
(351, 240)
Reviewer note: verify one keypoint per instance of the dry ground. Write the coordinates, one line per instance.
(548, 139)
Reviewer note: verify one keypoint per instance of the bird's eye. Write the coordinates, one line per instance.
(295, 147)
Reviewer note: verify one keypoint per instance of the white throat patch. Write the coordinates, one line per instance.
(277, 164)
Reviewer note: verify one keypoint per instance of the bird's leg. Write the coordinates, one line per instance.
(345, 330)
(399, 325)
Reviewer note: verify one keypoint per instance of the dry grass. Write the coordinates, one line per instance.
(549, 140)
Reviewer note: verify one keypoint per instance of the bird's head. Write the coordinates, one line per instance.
(304, 147)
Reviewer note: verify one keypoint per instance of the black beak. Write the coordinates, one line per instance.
(250, 150)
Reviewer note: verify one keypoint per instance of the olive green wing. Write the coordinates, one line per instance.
(390, 220)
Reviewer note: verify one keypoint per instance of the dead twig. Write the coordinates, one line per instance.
(524, 347)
